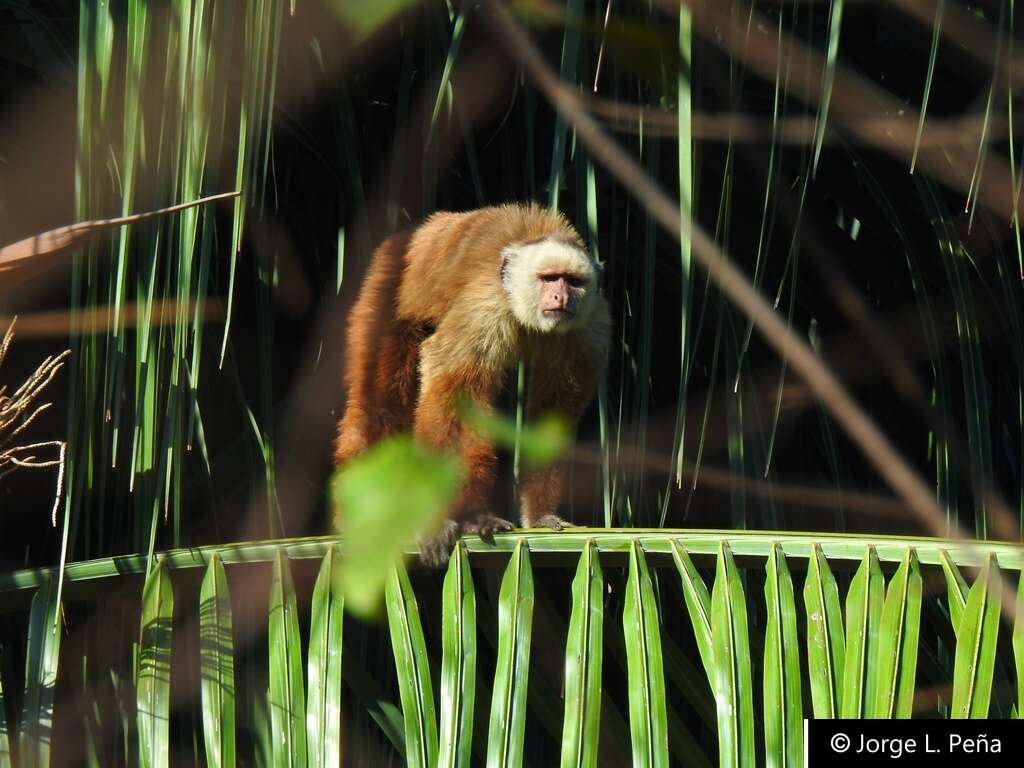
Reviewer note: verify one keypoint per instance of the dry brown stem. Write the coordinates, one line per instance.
(19, 410)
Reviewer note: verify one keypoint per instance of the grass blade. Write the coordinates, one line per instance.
(583, 658)
(826, 643)
(285, 697)
(323, 670)
(835, 20)
(863, 615)
(733, 687)
(648, 719)
(458, 661)
(698, 605)
(896, 663)
(41, 661)
(783, 709)
(413, 669)
(508, 701)
(976, 646)
(932, 55)
(153, 684)
(217, 666)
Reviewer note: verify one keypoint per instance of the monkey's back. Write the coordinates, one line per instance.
(456, 257)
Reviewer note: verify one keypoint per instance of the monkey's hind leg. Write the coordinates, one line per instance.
(435, 550)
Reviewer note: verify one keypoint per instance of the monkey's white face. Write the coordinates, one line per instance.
(551, 284)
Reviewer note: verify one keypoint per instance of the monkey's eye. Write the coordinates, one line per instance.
(549, 278)
(576, 282)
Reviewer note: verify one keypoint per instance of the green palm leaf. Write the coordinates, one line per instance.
(458, 661)
(5, 736)
(733, 686)
(648, 719)
(783, 711)
(863, 615)
(698, 605)
(41, 661)
(826, 643)
(1018, 645)
(413, 668)
(584, 653)
(976, 646)
(153, 682)
(217, 666)
(508, 700)
(285, 699)
(896, 662)
(323, 670)
(956, 590)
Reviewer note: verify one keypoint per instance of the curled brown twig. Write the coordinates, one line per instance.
(17, 413)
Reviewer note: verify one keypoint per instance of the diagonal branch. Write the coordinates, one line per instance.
(858, 425)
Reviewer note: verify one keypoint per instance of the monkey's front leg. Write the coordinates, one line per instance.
(539, 496)
(437, 423)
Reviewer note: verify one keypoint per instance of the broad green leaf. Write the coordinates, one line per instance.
(698, 605)
(153, 682)
(863, 615)
(648, 718)
(1018, 644)
(976, 645)
(583, 658)
(733, 687)
(323, 670)
(896, 662)
(826, 644)
(41, 660)
(512, 671)
(540, 442)
(413, 670)
(783, 711)
(379, 517)
(217, 666)
(956, 590)
(458, 661)
(285, 698)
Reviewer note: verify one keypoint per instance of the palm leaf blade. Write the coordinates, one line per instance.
(217, 680)
(508, 701)
(458, 661)
(323, 669)
(153, 680)
(413, 669)
(583, 658)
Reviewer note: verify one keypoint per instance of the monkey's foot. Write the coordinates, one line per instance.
(485, 526)
(436, 550)
(554, 522)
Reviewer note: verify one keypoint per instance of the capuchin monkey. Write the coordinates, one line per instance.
(446, 311)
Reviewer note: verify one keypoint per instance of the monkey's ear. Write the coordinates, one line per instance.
(508, 253)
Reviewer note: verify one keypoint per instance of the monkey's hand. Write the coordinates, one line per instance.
(485, 526)
(435, 551)
(554, 522)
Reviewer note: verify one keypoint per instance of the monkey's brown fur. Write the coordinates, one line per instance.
(433, 322)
